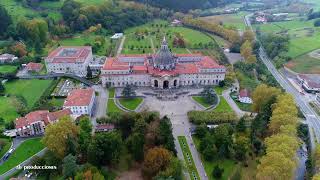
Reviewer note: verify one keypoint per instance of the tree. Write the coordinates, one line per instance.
(69, 166)
(263, 94)
(33, 31)
(241, 147)
(241, 126)
(174, 170)
(275, 165)
(105, 148)
(156, 159)
(128, 91)
(217, 172)
(248, 35)
(2, 89)
(317, 157)
(135, 143)
(209, 95)
(56, 136)
(89, 172)
(5, 20)
(89, 72)
(165, 135)
(317, 23)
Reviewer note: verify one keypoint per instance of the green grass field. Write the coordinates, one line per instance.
(227, 165)
(31, 90)
(112, 107)
(7, 111)
(23, 152)
(131, 103)
(154, 32)
(111, 92)
(201, 100)
(305, 64)
(191, 167)
(229, 20)
(4, 69)
(223, 106)
(6, 147)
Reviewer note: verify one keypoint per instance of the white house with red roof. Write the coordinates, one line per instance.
(34, 123)
(162, 70)
(34, 67)
(69, 59)
(7, 58)
(80, 102)
(244, 96)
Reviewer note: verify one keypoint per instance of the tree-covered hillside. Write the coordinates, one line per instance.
(185, 5)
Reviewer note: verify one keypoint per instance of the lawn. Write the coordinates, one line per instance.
(5, 69)
(31, 90)
(201, 100)
(131, 103)
(112, 107)
(305, 64)
(6, 147)
(229, 20)
(27, 149)
(219, 90)
(7, 111)
(223, 106)
(154, 32)
(56, 102)
(81, 40)
(111, 92)
(188, 158)
(228, 165)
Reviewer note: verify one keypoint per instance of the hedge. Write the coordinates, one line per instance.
(211, 117)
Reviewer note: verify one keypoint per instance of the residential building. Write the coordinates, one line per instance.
(162, 70)
(7, 58)
(104, 128)
(176, 23)
(308, 84)
(80, 102)
(244, 96)
(69, 59)
(34, 67)
(34, 123)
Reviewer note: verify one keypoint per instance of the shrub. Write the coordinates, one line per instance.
(211, 117)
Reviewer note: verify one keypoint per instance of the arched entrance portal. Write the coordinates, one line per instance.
(165, 84)
(156, 83)
(175, 83)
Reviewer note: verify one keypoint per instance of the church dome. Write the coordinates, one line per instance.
(164, 59)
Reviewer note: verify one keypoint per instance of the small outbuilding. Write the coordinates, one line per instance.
(244, 96)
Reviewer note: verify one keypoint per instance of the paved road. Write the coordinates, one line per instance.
(233, 105)
(177, 112)
(312, 118)
(121, 45)
(101, 104)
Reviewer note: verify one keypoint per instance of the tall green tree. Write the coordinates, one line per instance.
(5, 20)
(69, 166)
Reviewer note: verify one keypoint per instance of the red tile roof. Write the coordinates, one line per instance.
(34, 66)
(244, 93)
(103, 127)
(42, 115)
(79, 97)
(181, 68)
(80, 55)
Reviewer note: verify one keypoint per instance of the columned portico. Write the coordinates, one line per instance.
(165, 82)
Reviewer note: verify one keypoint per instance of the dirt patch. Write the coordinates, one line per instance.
(290, 65)
(133, 174)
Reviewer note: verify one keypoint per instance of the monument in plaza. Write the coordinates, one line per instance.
(163, 70)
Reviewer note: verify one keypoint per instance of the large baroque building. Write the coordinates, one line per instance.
(162, 70)
(73, 59)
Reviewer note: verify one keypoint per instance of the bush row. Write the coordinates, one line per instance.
(211, 117)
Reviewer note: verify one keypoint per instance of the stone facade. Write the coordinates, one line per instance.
(162, 70)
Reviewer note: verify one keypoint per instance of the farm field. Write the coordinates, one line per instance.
(4, 69)
(147, 38)
(229, 20)
(31, 90)
(304, 38)
(27, 149)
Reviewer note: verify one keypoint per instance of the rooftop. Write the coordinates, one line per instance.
(69, 54)
(244, 93)
(79, 97)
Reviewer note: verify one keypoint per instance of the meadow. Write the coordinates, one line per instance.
(148, 37)
(304, 38)
(4, 69)
(229, 20)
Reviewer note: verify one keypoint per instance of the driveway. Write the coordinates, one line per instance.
(101, 104)
(177, 112)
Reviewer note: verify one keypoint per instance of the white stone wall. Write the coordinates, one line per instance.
(79, 69)
(82, 110)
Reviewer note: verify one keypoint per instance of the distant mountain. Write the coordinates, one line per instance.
(185, 5)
